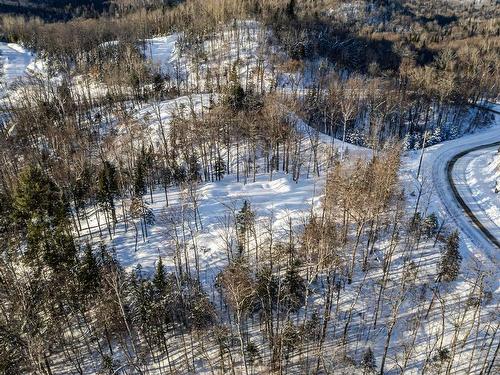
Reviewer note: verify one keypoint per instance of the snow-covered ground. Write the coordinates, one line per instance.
(198, 223)
(480, 171)
(276, 198)
(272, 201)
(206, 65)
(17, 62)
(160, 114)
(493, 172)
(437, 195)
(165, 55)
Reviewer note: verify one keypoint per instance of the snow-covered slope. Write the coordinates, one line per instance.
(158, 115)
(206, 64)
(164, 54)
(16, 62)
(276, 198)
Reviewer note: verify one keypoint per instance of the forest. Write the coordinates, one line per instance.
(238, 187)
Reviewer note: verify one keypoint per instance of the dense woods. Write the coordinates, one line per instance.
(109, 154)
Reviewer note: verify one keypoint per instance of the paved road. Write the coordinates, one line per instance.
(446, 168)
(456, 174)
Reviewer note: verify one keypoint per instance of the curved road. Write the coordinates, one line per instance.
(456, 170)
(452, 189)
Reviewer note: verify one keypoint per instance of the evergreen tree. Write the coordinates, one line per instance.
(295, 288)
(193, 168)
(88, 275)
(160, 277)
(5, 213)
(108, 188)
(235, 95)
(42, 216)
(81, 188)
(416, 222)
(368, 361)
(407, 142)
(435, 137)
(430, 224)
(451, 259)
(139, 178)
(220, 168)
(290, 9)
(244, 224)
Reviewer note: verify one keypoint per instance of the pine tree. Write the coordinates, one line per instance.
(108, 188)
(407, 142)
(42, 216)
(5, 213)
(244, 224)
(160, 278)
(451, 259)
(435, 137)
(219, 168)
(430, 224)
(290, 9)
(368, 361)
(81, 188)
(235, 95)
(139, 178)
(88, 276)
(295, 289)
(416, 221)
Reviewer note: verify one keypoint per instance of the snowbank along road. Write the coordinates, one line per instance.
(468, 199)
(449, 167)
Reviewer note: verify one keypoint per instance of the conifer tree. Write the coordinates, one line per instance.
(235, 95)
(80, 190)
(451, 259)
(430, 224)
(244, 224)
(290, 9)
(42, 215)
(139, 178)
(368, 361)
(5, 213)
(108, 188)
(89, 272)
(160, 278)
(294, 286)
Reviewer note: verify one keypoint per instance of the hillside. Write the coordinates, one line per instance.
(249, 187)
(52, 9)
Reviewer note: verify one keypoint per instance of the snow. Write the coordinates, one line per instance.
(481, 171)
(17, 62)
(275, 198)
(437, 196)
(275, 201)
(242, 45)
(473, 175)
(279, 199)
(154, 114)
(164, 54)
